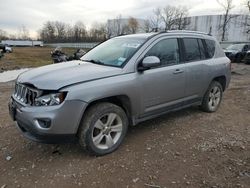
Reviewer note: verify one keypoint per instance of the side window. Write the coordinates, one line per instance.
(210, 48)
(246, 47)
(192, 49)
(167, 51)
(202, 49)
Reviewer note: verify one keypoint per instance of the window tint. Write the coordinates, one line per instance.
(167, 51)
(202, 49)
(192, 49)
(210, 48)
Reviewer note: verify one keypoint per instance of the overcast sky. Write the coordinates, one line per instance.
(33, 13)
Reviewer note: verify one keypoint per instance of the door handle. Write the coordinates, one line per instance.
(178, 71)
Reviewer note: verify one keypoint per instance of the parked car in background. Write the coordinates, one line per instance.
(2, 50)
(8, 49)
(121, 82)
(58, 56)
(246, 59)
(236, 52)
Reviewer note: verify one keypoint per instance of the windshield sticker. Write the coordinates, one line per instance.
(122, 59)
(129, 45)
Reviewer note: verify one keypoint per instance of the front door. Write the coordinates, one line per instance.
(163, 86)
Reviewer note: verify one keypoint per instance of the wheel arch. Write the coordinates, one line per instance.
(222, 80)
(122, 101)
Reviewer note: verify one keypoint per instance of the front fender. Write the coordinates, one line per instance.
(123, 85)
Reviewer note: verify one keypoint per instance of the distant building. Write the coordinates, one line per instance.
(119, 26)
(236, 31)
(22, 42)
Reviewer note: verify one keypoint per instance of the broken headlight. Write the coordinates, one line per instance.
(50, 99)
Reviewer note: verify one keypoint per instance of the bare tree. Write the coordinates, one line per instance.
(23, 33)
(133, 25)
(155, 20)
(227, 6)
(169, 15)
(174, 17)
(146, 26)
(118, 25)
(47, 33)
(97, 32)
(79, 32)
(182, 21)
(109, 29)
(3, 35)
(60, 30)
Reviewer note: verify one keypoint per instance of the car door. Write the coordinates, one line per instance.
(197, 68)
(162, 87)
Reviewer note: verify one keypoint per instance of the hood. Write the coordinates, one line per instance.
(56, 76)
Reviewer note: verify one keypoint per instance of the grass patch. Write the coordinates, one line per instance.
(25, 57)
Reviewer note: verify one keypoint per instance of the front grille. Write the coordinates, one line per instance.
(25, 94)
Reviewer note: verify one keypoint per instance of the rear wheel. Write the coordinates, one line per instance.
(212, 98)
(103, 128)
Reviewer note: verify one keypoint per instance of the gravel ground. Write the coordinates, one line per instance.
(188, 148)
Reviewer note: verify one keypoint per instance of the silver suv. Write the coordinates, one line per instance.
(121, 82)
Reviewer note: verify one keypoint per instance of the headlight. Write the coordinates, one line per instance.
(50, 99)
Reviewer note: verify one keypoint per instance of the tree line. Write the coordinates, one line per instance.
(166, 18)
(169, 17)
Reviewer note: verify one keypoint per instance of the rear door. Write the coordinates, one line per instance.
(197, 67)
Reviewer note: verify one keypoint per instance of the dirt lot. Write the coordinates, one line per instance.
(188, 148)
(24, 57)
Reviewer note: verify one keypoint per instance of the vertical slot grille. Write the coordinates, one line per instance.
(25, 94)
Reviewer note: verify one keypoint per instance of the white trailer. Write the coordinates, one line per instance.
(22, 42)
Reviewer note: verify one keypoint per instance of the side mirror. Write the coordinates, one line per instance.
(149, 62)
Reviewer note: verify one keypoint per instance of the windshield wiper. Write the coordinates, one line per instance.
(94, 61)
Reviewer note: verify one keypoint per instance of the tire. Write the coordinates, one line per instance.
(212, 98)
(103, 128)
(238, 58)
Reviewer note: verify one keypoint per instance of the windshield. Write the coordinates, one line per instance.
(114, 52)
(235, 47)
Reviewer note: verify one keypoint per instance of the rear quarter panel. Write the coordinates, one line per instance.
(221, 67)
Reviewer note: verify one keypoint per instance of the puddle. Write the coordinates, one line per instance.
(11, 75)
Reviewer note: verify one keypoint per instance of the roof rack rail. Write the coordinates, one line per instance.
(185, 31)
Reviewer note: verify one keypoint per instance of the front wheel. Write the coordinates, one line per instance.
(103, 128)
(212, 98)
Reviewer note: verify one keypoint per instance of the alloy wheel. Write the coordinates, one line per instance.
(107, 131)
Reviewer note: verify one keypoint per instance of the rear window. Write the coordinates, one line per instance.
(202, 49)
(192, 49)
(210, 48)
